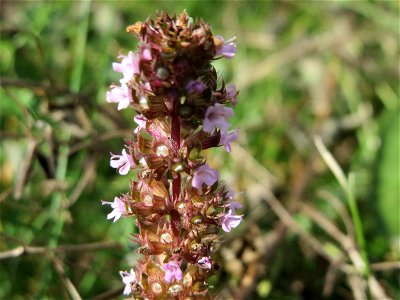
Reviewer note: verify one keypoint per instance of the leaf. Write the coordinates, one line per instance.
(388, 173)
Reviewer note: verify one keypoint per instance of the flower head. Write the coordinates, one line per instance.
(233, 205)
(227, 138)
(204, 262)
(231, 93)
(230, 194)
(141, 121)
(225, 48)
(216, 118)
(230, 220)
(128, 66)
(204, 174)
(128, 278)
(118, 208)
(182, 109)
(121, 95)
(172, 270)
(122, 162)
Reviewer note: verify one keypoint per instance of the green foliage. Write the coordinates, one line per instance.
(388, 172)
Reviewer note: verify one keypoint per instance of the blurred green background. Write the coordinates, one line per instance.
(304, 69)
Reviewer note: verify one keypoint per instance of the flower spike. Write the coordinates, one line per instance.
(182, 108)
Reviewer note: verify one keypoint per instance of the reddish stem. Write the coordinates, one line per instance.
(176, 144)
(176, 187)
(175, 133)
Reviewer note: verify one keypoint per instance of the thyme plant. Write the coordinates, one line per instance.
(177, 200)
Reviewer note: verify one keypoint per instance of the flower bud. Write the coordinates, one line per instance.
(174, 290)
(185, 111)
(156, 288)
(196, 220)
(162, 73)
(200, 286)
(210, 211)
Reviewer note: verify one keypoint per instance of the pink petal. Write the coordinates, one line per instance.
(146, 54)
(235, 223)
(208, 126)
(127, 289)
(124, 169)
(225, 228)
(118, 67)
(231, 93)
(114, 214)
(197, 182)
(123, 103)
(168, 276)
(128, 158)
(178, 275)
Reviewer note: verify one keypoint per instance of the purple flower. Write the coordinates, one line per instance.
(141, 121)
(229, 220)
(226, 48)
(118, 208)
(128, 279)
(204, 174)
(172, 270)
(233, 205)
(230, 194)
(231, 93)
(195, 86)
(122, 162)
(204, 262)
(128, 66)
(216, 118)
(121, 95)
(227, 138)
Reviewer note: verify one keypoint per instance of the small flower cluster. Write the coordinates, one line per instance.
(177, 199)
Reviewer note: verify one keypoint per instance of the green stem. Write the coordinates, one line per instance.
(56, 215)
(355, 215)
(347, 186)
(80, 45)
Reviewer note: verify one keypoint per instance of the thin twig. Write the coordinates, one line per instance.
(23, 250)
(340, 209)
(348, 186)
(330, 278)
(96, 139)
(43, 89)
(331, 162)
(358, 286)
(111, 294)
(89, 169)
(350, 248)
(25, 168)
(65, 280)
(327, 225)
(386, 266)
